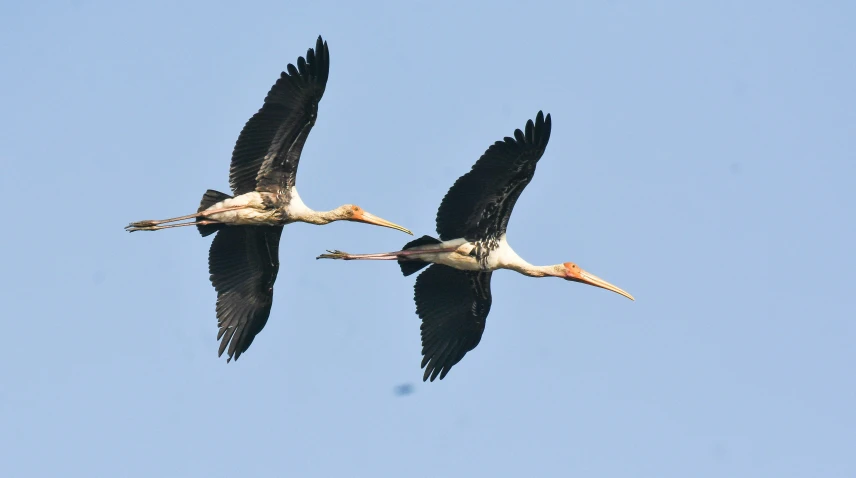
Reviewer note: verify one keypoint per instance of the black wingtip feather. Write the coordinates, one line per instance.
(542, 129)
(318, 60)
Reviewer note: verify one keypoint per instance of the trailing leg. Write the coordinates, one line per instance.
(382, 256)
(206, 226)
(155, 227)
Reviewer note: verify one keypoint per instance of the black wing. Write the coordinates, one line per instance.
(243, 262)
(268, 150)
(479, 204)
(453, 305)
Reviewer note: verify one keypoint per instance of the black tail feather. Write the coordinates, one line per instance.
(411, 267)
(421, 241)
(210, 198)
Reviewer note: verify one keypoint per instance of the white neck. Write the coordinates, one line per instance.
(298, 211)
(528, 269)
(506, 258)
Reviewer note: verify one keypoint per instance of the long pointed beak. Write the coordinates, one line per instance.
(591, 279)
(372, 219)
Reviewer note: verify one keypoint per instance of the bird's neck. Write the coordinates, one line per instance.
(508, 259)
(298, 211)
(530, 270)
(318, 217)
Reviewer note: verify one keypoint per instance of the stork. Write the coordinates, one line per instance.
(244, 257)
(453, 295)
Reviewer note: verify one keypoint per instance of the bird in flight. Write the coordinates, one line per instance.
(453, 295)
(244, 257)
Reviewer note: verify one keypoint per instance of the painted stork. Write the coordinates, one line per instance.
(453, 295)
(244, 257)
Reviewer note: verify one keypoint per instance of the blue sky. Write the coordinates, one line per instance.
(702, 158)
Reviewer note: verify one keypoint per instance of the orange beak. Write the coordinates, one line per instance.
(368, 218)
(591, 279)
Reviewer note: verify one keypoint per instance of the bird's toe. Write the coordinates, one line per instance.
(334, 254)
(147, 223)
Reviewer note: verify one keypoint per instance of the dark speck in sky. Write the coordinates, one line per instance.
(735, 168)
(98, 277)
(403, 389)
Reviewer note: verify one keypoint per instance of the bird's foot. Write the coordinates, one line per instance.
(158, 225)
(334, 255)
(141, 226)
(133, 228)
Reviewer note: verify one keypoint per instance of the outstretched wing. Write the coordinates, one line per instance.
(268, 150)
(480, 202)
(243, 262)
(453, 305)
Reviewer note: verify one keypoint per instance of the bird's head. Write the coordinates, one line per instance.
(572, 272)
(352, 212)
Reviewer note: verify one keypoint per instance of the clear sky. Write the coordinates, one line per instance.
(703, 157)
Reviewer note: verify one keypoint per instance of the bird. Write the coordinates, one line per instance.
(452, 295)
(243, 260)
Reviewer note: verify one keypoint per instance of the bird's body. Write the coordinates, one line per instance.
(251, 209)
(244, 257)
(463, 255)
(257, 208)
(453, 295)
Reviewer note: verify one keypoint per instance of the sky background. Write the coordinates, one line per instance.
(702, 158)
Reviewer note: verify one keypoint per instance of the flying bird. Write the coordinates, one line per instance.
(453, 295)
(244, 257)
